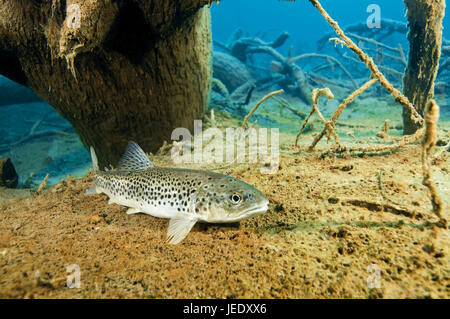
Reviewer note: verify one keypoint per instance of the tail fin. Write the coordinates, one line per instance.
(93, 190)
(94, 160)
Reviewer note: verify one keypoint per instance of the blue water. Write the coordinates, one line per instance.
(299, 18)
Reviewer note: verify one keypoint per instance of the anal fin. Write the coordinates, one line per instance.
(179, 227)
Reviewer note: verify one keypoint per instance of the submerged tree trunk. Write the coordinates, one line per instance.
(117, 70)
(425, 38)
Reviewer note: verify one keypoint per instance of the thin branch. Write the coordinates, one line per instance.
(371, 41)
(328, 57)
(407, 139)
(284, 104)
(257, 105)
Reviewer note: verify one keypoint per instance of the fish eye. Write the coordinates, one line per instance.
(235, 198)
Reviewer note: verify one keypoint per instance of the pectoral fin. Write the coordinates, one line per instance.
(91, 191)
(133, 211)
(179, 227)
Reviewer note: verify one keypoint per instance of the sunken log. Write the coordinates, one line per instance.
(116, 70)
(230, 71)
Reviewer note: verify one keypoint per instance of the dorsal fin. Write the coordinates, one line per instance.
(133, 159)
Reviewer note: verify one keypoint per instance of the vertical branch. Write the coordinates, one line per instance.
(428, 142)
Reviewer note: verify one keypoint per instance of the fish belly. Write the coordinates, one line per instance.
(140, 206)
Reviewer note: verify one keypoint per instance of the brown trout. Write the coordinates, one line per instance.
(185, 196)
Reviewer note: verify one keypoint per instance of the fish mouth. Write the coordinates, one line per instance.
(244, 215)
(257, 210)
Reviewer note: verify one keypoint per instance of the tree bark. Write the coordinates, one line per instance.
(425, 38)
(117, 70)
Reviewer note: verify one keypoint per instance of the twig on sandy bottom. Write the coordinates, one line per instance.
(43, 184)
(213, 119)
(257, 105)
(380, 174)
(429, 141)
(329, 126)
(383, 207)
(385, 132)
(408, 139)
(316, 94)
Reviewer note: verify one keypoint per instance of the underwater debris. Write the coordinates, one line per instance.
(43, 184)
(432, 115)
(377, 76)
(329, 126)
(244, 123)
(297, 80)
(389, 27)
(35, 134)
(242, 95)
(232, 103)
(230, 71)
(385, 132)
(398, 74)
(316, 94)
(408, 139)
(329, 59)
(379, 46)
(240, 47)
(286, 105)
(291, 77)
(428, 143)
(382, 207)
